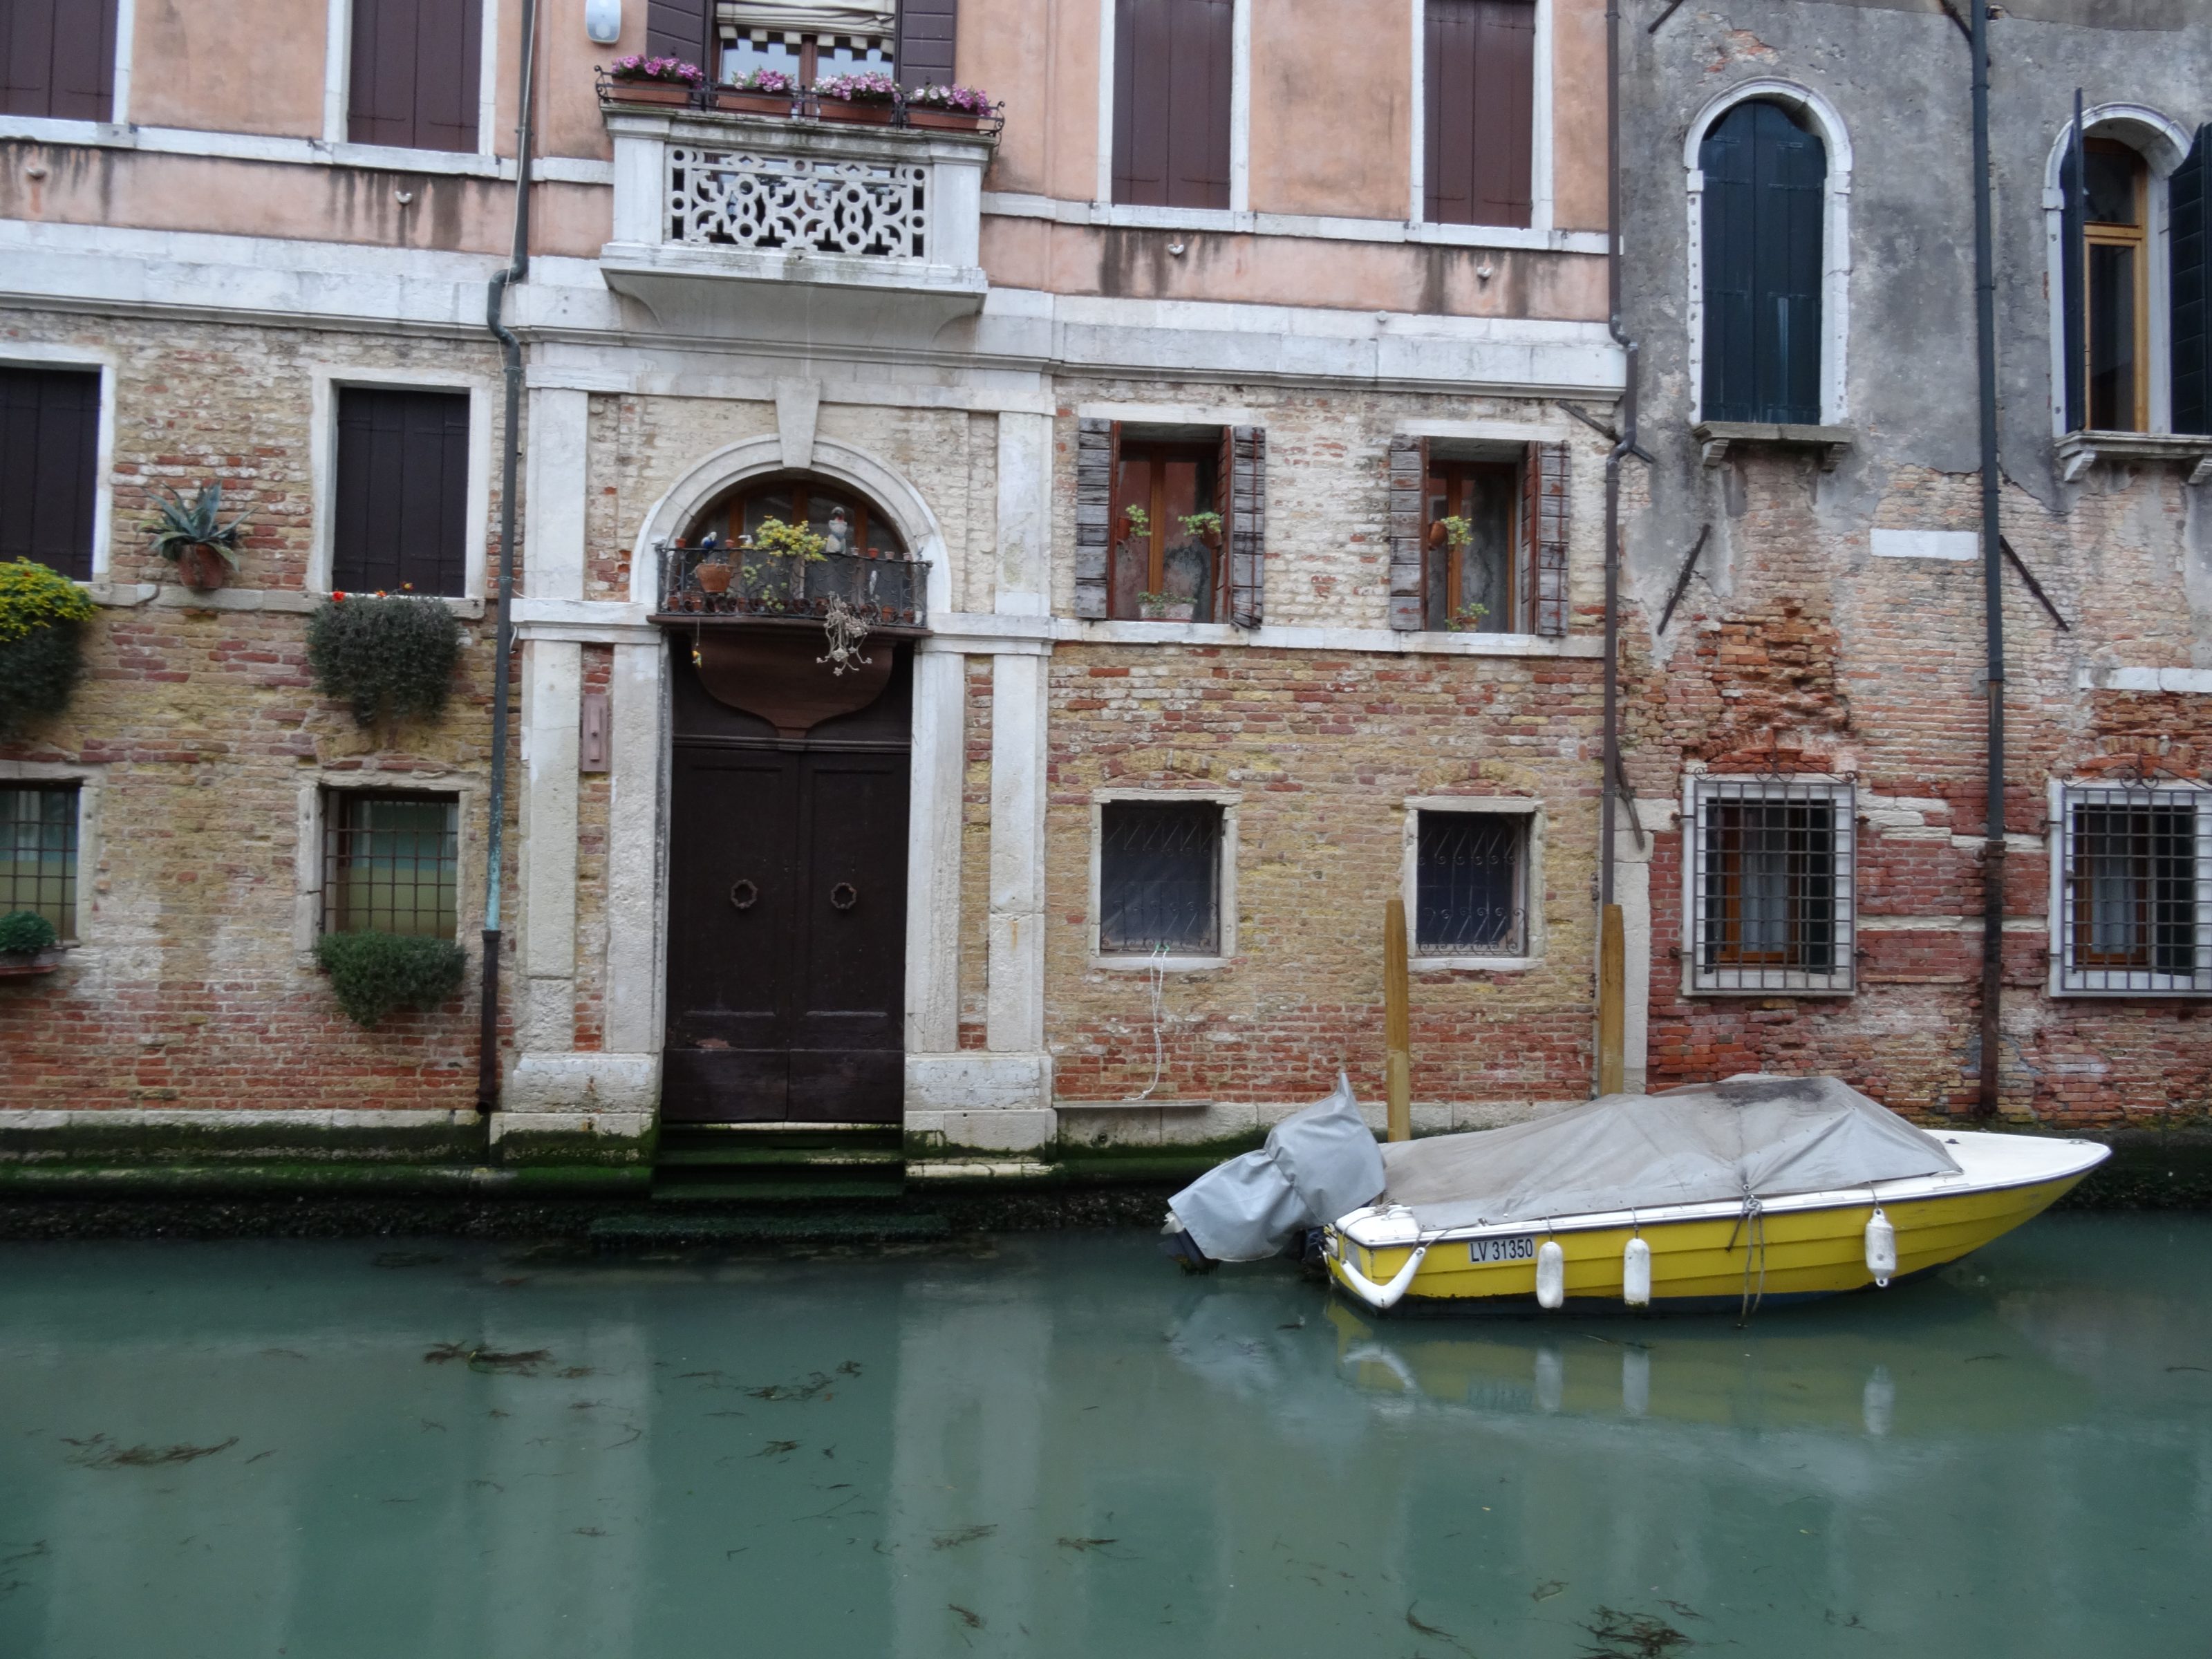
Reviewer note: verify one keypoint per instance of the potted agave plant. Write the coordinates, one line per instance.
(867, 97)
(762, 92)
(191, 536)
(956, 108)
(640, 80)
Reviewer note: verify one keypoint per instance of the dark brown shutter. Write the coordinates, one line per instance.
(1096, 441)
(400, 509)
(1409, 530)
(1544, 491)
(2188, 218)
(415, 78)
(1244, 522)
(49, 462)
(58, 58)
(1478, 87)
(678, 29)
(927, 33)
(1171, 90)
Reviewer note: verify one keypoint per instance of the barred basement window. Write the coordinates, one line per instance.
(1771, 884)
(38, 852)
(1469, 884)
(1160, 879)
(390, 863)
(2135, 915)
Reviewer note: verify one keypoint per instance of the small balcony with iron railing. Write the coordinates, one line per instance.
(713, 187)
(884, 592)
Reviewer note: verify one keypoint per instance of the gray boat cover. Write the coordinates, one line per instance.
(1318, 1165)
(1703, 1143)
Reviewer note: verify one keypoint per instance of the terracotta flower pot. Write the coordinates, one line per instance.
(949, 120)
(654, 92)
(752, 103)
(713, 575)
(836, 109)
(202, 568)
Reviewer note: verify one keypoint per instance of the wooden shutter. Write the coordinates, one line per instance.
(58, 59)
(49, 462)
(2189, 221)
(414, 77)
(1544, 498)
(1096, 444)
(1765, 200)
(1409, 530)
(928, 31)
(1479, 70)
(678, 29)
(2073, 279)
(400, 509)
(1243, 491)
(1171, 87)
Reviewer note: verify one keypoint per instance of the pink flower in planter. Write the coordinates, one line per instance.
(969, 100)
(868, 89)
(774, 82)
(637, 68)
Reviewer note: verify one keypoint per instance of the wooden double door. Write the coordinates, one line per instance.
(786, 931)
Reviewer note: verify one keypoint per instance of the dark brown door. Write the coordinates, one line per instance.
(787, 936)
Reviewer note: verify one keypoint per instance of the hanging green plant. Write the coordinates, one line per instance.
(389, 657)
(373, 974)
(42, 617)
(191, 536)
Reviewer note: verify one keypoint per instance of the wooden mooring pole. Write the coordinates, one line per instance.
(1612, 1001)
(1397, 1022)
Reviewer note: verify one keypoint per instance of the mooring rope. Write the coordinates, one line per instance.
(1752, 1224)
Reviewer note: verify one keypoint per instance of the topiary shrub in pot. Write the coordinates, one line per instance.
(42, 617)
(387, 657)
(373, 974)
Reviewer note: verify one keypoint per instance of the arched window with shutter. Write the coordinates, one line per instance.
(1765, 174)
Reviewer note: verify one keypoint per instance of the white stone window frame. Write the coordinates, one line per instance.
(30, 354)
(1109, 211)
(328, 380)
(2164, 144)
(1699, 791)
(91, 783)
(337, 87)
(1541, 197)
(2067, 981)
(1835, 237)
(1229, 801)
(314, 818)
(1529, 881)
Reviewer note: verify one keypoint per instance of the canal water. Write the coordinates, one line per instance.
(1057, 1445)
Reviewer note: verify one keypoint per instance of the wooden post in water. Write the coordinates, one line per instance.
(1397, 1022)
(1612, 1001)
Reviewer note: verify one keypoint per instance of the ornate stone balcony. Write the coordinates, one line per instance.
(712, 208)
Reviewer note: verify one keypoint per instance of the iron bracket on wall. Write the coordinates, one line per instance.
(2033, 585)
(1673, 6)
(1682, 581)
(1605, 431)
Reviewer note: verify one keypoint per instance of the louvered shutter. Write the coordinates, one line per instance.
(1245, 521)
(1096, 441)
(399, 512)
(414, 78)
(1171, 87)
(1544, 490)
(58, 59)
(2188, 220)
(1409, 530)
(678, 29)
(49, 467)
(1765, 198)
(2073, 279)
(1479, 77)
(927, 34)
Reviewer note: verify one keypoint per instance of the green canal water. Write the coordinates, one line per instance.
(1056, 1445)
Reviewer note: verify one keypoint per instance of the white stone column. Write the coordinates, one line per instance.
(1632, 885)
(1016, 1007)
(552, 681)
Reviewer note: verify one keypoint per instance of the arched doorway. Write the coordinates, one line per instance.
(787, 807)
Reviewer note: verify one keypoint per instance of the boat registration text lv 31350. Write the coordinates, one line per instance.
(1520, 1247)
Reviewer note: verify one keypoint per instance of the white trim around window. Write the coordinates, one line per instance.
(1225, 888)
(1835, 238)
(338, 78)
(328, 379)
(32, 353)
(1772, 939)
(1542, 205)
(1529, 881)
(2131, 895)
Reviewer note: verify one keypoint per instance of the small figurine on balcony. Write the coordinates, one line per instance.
(840, 533)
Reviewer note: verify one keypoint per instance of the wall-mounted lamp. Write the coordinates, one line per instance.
(603, 21)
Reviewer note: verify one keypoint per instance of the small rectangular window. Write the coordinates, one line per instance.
(415, 74)
(399, 512)
(1469, 884)
(1172, 84)
(1474, 582)
(390, 863)
(49, 467)
(1162, 569)
(1160, 879)
(2137, 911)
(1771, 874)
(1479, 60)
(38, 852)
(58, 59)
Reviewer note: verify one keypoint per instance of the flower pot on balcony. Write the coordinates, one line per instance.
(948, 120)
(713, 575)
(838, 109)
(202, 569)
(752, 103)
(652, 92)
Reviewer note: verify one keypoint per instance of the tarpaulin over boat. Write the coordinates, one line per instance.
(1317, 1165)
(1708, 1142)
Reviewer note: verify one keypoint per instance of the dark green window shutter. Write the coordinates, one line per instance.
(1765, 201)
(2189, 222)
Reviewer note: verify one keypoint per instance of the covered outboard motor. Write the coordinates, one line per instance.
(1318, 1165)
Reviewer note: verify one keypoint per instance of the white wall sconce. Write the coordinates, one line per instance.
(603, 21)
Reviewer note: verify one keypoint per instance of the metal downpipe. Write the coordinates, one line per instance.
(1985, 343)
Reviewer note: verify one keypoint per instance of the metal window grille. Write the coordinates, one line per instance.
(391, 864)
(38, 852)
(2136, 915)
(1772, 901)
(1467, 884)
(1160, 879)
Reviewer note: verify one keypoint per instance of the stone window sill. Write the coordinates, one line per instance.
(2077, 451)
(1717, 438)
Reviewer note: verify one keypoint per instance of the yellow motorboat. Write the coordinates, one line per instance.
(1763, 1247)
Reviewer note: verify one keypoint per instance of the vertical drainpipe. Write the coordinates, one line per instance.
(518, 267)
(1611, 761)
(1985, 343)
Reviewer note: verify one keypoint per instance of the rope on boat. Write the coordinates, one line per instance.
(1752, 1224)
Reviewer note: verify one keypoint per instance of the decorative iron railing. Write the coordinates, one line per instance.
(883, 590)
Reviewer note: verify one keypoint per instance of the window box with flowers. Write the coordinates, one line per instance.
(640, 79)
(869, 97)
(764, 92)
(953, 109)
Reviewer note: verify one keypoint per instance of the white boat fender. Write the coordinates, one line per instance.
(1636, 1274)
(1381, 1298)
(1551, 1275)
(1881, 1247)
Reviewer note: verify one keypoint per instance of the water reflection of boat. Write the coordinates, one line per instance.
(1778, 1189)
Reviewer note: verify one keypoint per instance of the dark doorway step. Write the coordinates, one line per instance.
(779, 1164)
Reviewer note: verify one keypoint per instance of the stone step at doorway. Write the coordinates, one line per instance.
(780, 1164)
